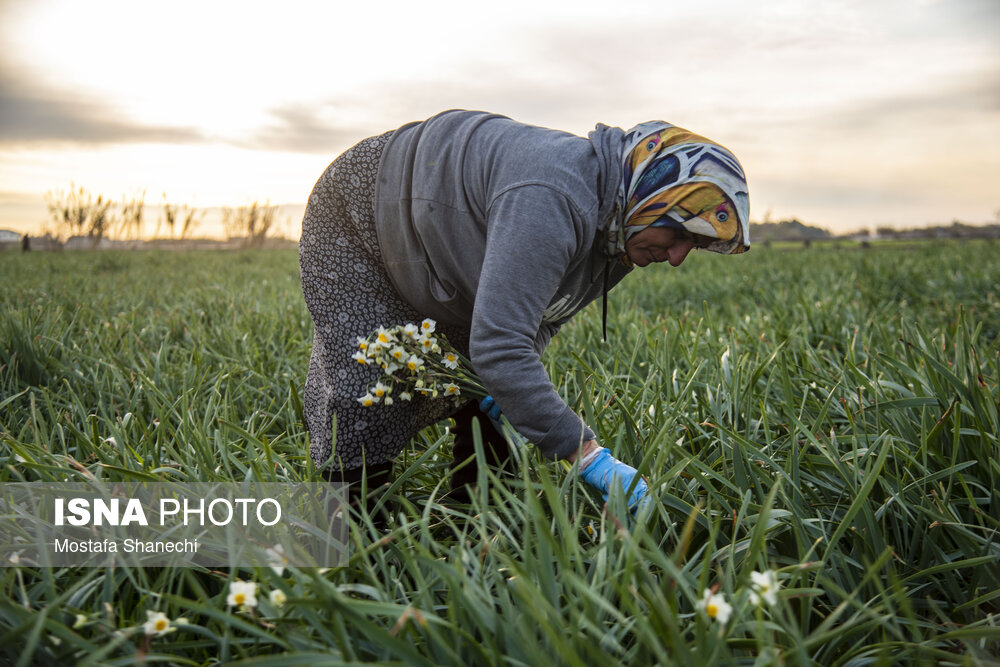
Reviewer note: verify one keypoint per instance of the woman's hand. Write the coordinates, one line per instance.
(586, 449)
(603, 472)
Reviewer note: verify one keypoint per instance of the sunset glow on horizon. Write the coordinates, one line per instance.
(845, 114)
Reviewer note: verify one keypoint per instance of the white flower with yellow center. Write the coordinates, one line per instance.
(451, 389)
(411, 330)
(450, 360)
(362, 343)
(381, 390)
(277, 597)
(715, 606)
(360, 358)
(277, 559)
(765, 587)
(427, 326)
(428, 343)
(414, 363)
(384, 336)
(398, 353)
(242, 594)
(157, 624)
(367, 400)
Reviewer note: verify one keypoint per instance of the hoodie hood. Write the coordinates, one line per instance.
(608, 143)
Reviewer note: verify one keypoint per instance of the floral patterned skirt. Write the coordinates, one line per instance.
(349, 295)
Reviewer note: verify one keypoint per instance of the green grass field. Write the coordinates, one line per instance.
(831, 415)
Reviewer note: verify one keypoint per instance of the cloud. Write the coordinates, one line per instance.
(307, 128)
(31, 114)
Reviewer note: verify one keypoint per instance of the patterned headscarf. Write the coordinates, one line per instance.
(674, 178)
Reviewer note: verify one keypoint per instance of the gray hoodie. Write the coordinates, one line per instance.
(498, 227)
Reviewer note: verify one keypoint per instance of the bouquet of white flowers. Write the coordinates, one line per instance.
(415, 359)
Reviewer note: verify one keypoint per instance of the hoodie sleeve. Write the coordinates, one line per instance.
(533, 234)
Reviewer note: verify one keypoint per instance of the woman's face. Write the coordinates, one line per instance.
(662, 244)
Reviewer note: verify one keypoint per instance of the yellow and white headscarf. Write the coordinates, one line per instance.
(674, 178)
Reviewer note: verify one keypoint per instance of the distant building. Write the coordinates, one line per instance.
(86, 243)
(10, 240)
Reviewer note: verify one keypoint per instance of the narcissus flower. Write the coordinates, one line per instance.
(450, 360)
(276, 559)
(451, 389)
(157, 624)
(242, 594)
(367, 400)
(765, 587)
(715, 606)
(360, 357)
(427, 326)
(277, 597)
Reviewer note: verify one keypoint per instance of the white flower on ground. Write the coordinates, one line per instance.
(451, 389)
(81, 621)
(367, 400)
(277, 597)
(765, 586)
(427, 326)
(276, 559)
(242, 594)
(450, 360)
(715, 606)
(157, 624)
(360, 357)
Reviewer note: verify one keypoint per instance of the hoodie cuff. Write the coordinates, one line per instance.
(565, 436)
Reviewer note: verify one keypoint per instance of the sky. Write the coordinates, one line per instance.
(845, 114)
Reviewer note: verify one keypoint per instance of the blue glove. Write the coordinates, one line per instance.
(490, 407)
(605, 471)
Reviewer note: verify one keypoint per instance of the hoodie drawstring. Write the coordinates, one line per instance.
(604, 302)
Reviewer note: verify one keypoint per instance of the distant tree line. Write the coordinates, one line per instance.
(76, 212)
(794, 230)
(786, 230)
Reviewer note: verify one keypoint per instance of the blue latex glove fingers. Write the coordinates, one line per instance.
(490, 407)
(606, 472)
